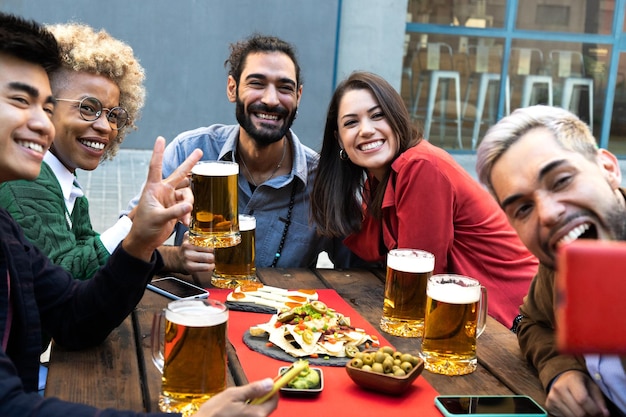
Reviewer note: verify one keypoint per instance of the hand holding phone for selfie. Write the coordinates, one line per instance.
(281, 380)
(177, 289)
(489, 406)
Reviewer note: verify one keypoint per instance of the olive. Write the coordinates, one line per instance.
(406, 358)
(379, 357)
(406, 366)
(367, 368)
(388, 365)
(356, 362)
(387, 349)
(378, 368)
(319, 306)
(399, 372)
(368, 359)
(397, 355)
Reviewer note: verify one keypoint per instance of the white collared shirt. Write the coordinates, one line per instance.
(71, 190)
(69, 184)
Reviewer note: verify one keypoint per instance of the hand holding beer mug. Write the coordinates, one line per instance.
(404, 307)
(191, 354)
(235, 265)
(214, 217)
(456, 314)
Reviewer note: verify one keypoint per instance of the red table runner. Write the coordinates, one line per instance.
(340, 396)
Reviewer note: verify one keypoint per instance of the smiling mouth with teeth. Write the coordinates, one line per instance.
(92, 144)
(267, 116)
(31, 145)
(371, 145)
(584, 231)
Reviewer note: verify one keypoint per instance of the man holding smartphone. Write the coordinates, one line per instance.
(544, 168)
(36, 295)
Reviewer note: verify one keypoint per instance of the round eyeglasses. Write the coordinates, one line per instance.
(90, 109)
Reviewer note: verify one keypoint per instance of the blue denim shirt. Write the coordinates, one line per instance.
(269, 202)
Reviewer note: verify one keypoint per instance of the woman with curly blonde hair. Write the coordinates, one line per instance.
(83, 50)
(99, 91)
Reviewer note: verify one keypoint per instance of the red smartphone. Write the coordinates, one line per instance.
(590, 307)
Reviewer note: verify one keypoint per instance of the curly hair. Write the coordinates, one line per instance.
(84, 49)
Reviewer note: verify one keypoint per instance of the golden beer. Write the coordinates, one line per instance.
(194, 353)
(235, 265)
(456, 312)
(214, 220)
(408, 271)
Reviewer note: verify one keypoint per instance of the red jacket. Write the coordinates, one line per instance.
(432, 203)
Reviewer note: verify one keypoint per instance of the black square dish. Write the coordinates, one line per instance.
(308, 392)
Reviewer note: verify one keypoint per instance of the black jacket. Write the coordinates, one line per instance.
(77, 314)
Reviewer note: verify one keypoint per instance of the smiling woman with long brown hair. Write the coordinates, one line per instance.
(384, 186)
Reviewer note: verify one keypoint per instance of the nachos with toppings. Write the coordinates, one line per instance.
(313, 329)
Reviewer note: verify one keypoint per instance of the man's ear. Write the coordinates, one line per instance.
(610, 164)
(231, 89)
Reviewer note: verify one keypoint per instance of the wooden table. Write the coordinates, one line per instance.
(120, 374)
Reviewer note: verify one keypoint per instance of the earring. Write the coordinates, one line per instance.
(343, 155)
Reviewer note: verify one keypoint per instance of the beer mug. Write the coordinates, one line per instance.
(408, 271)
(190, 354)
(214, 220)
(235, 265)
(456, 314)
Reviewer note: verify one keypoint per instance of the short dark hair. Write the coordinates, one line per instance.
(29, 41)
(256, 43)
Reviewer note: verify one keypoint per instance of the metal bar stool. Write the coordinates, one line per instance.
(437, 76)
(488, 83)
(572, 81)
(532, 82)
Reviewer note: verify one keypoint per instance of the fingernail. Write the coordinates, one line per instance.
(267, 384)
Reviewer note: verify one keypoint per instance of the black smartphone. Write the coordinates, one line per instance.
(177, 289)
(489, 405)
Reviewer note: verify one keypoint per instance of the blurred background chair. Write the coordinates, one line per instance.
(407, 71)
(530, 73)
(484, 61)
(433, 69)
(569, 68)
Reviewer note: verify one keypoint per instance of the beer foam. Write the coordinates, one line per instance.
(417, 263)
(452, 293)
(196, 313)
(246, 222)
(215, 168)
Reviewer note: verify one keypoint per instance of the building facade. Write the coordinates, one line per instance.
(460, 65)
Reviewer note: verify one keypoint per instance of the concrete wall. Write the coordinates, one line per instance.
(371, 38)
(182, 45)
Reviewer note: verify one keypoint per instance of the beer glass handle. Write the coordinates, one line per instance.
(155, 341)
(482, 312)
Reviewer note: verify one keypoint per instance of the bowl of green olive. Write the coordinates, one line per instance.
(385, 370)
(308, 383)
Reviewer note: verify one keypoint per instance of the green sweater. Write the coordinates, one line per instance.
(39, 207)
